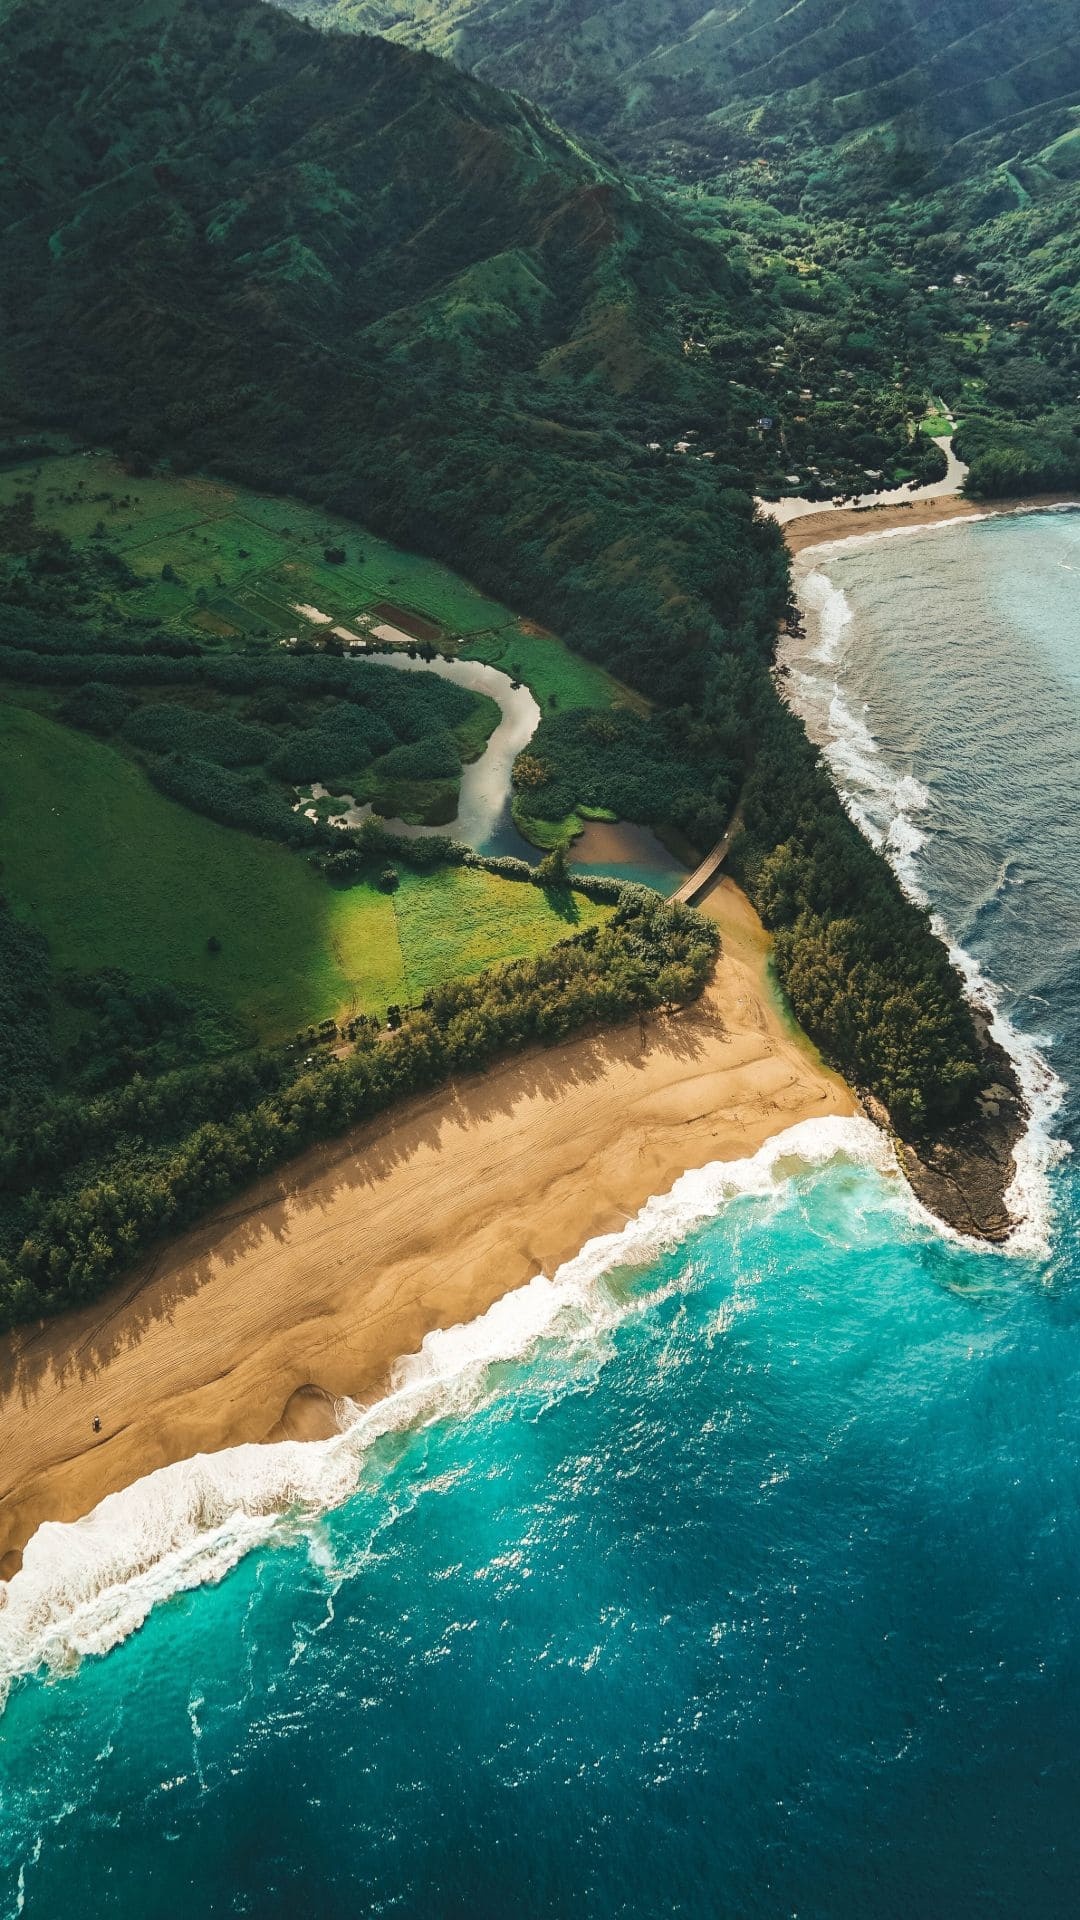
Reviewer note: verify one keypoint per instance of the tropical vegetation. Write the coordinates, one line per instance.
(85, 1186)
(902, 185)
(447, 325)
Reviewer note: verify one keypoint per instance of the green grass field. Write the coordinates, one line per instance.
(253, 555)
(115, 874)
(459, 921)
(244, 561)
(935, 425)
(548, 668)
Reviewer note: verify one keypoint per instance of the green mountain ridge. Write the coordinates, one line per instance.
(334, 268)
(940, 141)
(960, 65)
(451, 300)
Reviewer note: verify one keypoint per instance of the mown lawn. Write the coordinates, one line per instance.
(116, 875)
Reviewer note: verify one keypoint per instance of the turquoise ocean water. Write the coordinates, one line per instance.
(734, 1573)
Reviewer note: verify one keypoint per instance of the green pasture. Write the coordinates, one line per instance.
(242, 562)
(114, 874)
(258, 553)
(556, 677)
(458, 921)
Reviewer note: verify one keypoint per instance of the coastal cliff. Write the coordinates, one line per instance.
(964, 1174)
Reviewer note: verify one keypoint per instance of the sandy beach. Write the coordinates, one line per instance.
(310, 1285)
(820, 529)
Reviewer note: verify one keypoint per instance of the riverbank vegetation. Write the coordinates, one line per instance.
(232, 730)
(443, 319)
(673, 772)
(247, 941)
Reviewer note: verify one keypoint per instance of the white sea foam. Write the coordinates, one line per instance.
(86, 1585)
(1028, 1196)
(880, 800)
(831, 606)
(883, 803)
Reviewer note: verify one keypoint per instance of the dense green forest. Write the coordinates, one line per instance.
(902, 185)
(234, 736)
(357, 272)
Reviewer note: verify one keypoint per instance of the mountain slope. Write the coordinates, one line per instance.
(646, 67)
(934, 145)
(340, 269)
(349, 268)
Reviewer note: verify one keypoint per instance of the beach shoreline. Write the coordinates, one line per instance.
(970, 1175)
(854, 523)
(309, 1287)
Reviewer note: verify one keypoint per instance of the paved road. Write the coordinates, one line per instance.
(697, 881)
(795, 507)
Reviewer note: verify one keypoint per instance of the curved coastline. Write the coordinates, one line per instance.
(362, 1250)
(989, 1172)
(284, 1320)
(918, 515)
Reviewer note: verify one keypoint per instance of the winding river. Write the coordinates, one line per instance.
(484, 819)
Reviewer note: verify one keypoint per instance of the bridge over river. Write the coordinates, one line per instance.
(696, 882)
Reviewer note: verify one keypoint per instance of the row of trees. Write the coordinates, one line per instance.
(866, 975)
(163, 1172)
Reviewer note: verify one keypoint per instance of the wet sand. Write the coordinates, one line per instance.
(821, 529)
(310, 1285)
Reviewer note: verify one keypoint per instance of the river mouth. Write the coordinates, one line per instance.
(484, 819)
(627, 852)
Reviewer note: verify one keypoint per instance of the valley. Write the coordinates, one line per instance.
(539, 910)
(490, 370)
(900, 186)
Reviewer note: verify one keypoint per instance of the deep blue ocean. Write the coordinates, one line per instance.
(747, 1581)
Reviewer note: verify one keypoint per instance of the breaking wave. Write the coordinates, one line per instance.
(84, 1586)
(892, 809)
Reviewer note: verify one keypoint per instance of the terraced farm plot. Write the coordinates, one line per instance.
(232, 565)
(228, 538)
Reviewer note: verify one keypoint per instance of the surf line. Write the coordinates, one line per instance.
(86, 1585)
(882, 802)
